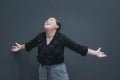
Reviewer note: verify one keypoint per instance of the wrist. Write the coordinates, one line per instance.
(23, 46)
(92, 52)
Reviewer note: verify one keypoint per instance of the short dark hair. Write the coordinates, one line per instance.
(59, 24)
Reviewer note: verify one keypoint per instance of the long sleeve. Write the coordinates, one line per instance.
(33, 43)
(74, 46)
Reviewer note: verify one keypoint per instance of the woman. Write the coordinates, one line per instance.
(51, 45)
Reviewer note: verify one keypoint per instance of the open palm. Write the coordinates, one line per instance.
(16, 48)
(99, 53)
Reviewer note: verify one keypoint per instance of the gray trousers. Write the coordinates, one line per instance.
(54, 72)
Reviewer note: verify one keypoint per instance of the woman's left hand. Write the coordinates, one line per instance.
(99, 53)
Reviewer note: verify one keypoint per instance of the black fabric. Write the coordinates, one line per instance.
(54, 52)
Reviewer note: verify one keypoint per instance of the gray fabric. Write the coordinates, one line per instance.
(54, 72)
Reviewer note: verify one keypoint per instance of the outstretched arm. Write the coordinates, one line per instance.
(28, 45)
(17, 47)
(97, 52)
(83, 50)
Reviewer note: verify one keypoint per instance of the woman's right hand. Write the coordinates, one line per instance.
(16, 48)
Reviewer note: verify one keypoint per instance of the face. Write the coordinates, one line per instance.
(51, 24)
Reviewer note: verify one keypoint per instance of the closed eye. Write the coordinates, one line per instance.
(51, 19)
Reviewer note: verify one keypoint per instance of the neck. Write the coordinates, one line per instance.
(50, 33)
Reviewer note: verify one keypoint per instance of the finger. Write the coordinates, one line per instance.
(99, 49)
(13, 47)
(17, 44)
(13, 50)
(102, 52)
(104, 55)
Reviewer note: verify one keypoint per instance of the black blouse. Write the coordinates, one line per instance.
(53, 53)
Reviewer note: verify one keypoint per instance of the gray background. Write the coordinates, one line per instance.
(93, 23)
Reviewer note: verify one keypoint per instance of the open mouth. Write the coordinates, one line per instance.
(47, 24)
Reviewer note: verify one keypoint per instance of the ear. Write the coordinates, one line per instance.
(57, 26)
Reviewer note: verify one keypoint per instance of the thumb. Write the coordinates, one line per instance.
(99, 49)
(17, 44)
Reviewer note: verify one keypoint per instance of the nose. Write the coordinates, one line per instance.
(48, 20)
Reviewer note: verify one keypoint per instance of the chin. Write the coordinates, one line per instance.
(47, 28)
